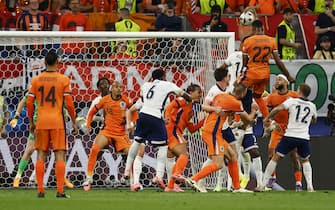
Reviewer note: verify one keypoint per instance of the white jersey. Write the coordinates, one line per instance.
(139, 104)
(214, 91)
(95, 102)
(301, 113)
(156, 95)
(234, 63)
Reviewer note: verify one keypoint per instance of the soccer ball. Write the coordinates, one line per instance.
(246, 18)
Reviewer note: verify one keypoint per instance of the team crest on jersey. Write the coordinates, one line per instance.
(123, 105)
(222, 148)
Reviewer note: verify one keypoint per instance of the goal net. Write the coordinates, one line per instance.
(187, 57)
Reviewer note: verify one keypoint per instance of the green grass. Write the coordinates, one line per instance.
(151, 199)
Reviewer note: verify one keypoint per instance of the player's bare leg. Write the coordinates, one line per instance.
(222, 172)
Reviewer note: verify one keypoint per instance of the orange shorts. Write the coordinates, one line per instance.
(120, 142)
(257, 85)
(54, 136)
(275, 138)
(175, 137)
(215, 146)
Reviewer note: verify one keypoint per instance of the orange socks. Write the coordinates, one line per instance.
(233, 172)
(262, 106)
(92, 159)
(178, 168)
(39, 168)
(298, 176)
(205, 171)
(60, 173)
(180, 164)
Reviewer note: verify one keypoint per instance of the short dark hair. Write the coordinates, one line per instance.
(220, 73)
(157, 74)
(325, 38)
(51, 58)
(216, 8)
(257, 24)
(192, 88)
(102, 79)
(125, 10)
(305, 89)
(288, 10)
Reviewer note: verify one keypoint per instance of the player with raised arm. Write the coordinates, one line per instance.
(150, 126)
(30, 147)
(234, 65)
(281, 119)
(223, 84)
(177, 117)
(256, 55)
(217, 146)
(115, 106)
(51, 90)
(301, 112)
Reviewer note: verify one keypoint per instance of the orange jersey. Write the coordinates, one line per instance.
(179, 113)
(49, 89)
(229, 103)
(275, 99)
(114, 114)
(259, 48)
(234, 4)
(267, 6)
(104, 5)
(71, 22)
(293, 4)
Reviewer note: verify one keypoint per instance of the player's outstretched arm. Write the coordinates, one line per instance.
(71, 111)
(129, 115)
(273, 113)
(185, 95)
(90, 116)
(248, 118)
(19, 108)
(282, 67)
(30, 109)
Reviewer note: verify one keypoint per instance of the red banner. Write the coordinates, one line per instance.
(270, 25)
(84, 76)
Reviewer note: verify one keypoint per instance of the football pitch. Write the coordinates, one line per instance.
(151, 199)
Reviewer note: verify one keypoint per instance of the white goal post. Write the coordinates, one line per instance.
(187, 57)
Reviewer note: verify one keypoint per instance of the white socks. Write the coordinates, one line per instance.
(257, 163)
(307, 169)
(221, 176)
(133, 150)
(246, 159)
(170, 162)
(137, 169)
(161, 161)
(270, 168)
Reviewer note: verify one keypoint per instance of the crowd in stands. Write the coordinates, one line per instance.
(163, 15)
